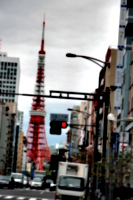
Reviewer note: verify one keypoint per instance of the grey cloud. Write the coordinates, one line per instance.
(82, 27)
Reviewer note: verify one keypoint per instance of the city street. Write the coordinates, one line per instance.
(26, 194)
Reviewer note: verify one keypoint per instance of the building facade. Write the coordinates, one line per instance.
(7, 120)
(24, 160)
(9, 77)
(74, 131)
(20, 151)
(20, 119)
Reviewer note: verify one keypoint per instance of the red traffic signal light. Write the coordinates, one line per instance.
(56, 126)
(64, 124)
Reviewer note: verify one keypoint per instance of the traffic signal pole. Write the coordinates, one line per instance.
(96, 144)
(107, 98)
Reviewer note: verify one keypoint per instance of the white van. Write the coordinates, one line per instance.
(18, 178)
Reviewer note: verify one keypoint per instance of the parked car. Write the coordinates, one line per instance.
(6, 181)
(36, 183)
(52, 186)
(18, 178)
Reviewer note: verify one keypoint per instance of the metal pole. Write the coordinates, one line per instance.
(96, 144)
(107, 97)
(121, 172)
(108, 163)
(131, 158)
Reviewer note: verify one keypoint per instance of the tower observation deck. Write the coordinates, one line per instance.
(37, 147)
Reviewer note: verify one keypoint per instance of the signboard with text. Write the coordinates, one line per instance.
(59, 117)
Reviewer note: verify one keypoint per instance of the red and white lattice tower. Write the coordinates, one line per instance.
(37, 147)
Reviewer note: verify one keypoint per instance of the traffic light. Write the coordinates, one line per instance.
(54, 162)
(56, 126)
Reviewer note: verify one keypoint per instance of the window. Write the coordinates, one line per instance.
(130, 12)
(5, 66)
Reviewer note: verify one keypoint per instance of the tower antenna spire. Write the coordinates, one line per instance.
(42, 41)
(37, 148)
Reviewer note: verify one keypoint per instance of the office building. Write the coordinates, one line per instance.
(74, 132)
(9, 77)
(7, 124)
(20, 151)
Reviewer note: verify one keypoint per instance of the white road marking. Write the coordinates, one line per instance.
(21, 198)
(32, 199)
(47, 190)
(45, 199)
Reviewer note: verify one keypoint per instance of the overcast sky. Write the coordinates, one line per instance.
(86, 27)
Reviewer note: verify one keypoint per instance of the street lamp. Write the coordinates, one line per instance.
(95, 60)
(101, 76)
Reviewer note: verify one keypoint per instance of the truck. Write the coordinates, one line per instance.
(40, 174)
(71, 181)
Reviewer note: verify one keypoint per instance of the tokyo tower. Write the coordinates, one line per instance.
(37, 147)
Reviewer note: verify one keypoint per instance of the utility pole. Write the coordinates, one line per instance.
(96, 141)
(107, 98)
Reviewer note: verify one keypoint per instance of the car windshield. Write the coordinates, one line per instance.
(36, 179)
(68, 182)
(49, 180)
(40, 177)
(8, 178)
(17, 176)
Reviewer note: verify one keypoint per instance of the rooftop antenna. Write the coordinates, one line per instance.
(42, 41)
